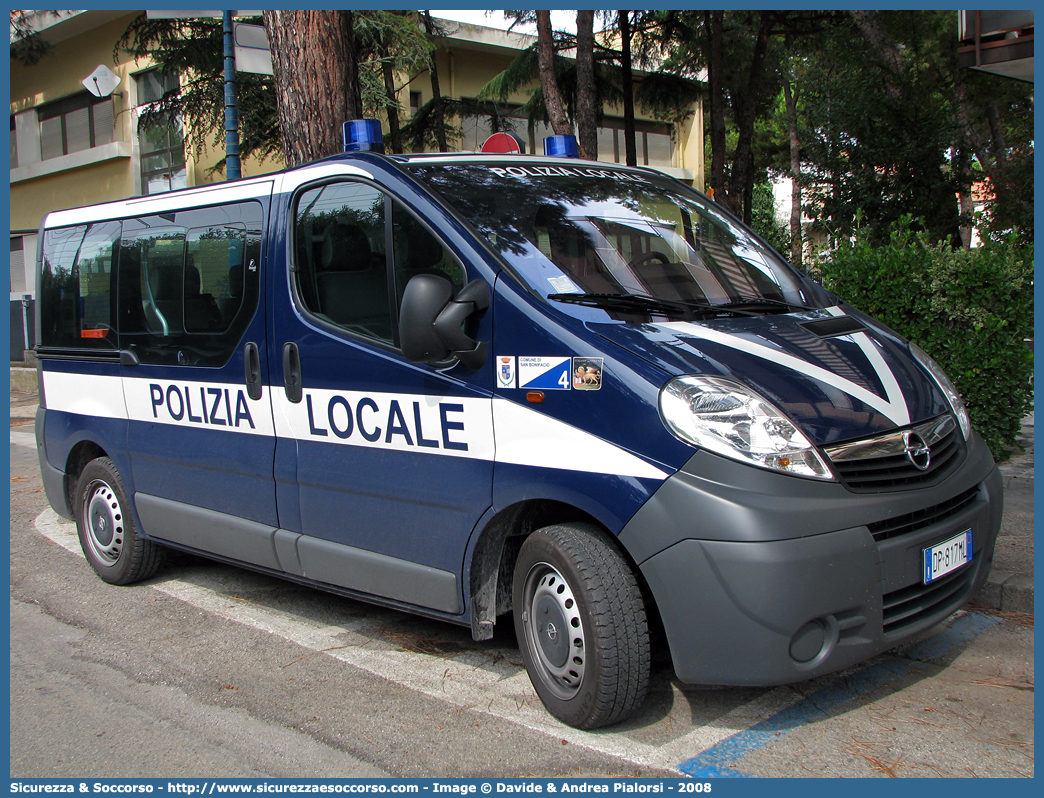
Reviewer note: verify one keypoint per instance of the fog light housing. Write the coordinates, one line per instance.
(808, 642)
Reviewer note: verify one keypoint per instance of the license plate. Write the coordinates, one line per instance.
(945, 557)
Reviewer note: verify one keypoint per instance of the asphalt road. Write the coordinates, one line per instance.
(210, 671)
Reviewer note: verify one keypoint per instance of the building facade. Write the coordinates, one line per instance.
(71, 148)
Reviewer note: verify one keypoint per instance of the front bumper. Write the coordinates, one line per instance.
(765, 579)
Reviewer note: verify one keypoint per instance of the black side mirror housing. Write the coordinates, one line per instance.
(431, 320)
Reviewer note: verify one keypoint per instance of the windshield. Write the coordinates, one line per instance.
(633, 245)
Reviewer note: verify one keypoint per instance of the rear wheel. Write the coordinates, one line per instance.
(107, 535)
(581, 625)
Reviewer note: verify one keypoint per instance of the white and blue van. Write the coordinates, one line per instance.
(468, 385)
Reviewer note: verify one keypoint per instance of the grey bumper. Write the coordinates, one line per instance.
(766, 579)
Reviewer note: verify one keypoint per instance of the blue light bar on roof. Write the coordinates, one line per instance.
(362, 135)
(561, 147)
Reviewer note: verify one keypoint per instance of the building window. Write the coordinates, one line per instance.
(18, 281)
(652, 143)
(14, 145)
(415, 102)
(161, 144)
(74, 124)
(652, 139)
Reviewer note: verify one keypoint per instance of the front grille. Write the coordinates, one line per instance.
(881, 463)
(912, 605)
(911, 522)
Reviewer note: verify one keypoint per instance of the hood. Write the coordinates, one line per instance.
(835, 372)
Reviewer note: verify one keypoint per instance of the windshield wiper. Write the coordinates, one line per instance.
(649, 304)
(763, 303)
(625, 302)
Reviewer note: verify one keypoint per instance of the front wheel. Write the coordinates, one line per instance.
(581, 625)
(107, 535)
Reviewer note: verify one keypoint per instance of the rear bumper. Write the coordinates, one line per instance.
(53, 478)
(746, 609)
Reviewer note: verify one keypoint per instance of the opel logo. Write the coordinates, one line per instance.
(552, 632)
(917, 451)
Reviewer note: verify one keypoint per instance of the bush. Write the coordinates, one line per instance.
(970, 310)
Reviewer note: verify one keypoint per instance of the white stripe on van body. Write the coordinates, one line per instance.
(893, 405)
(84, 394)
(452, 426)
(159, 203)
(527, 437)
(190, 403)
(289, 181)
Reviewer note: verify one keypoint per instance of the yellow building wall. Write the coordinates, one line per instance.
(59, 75)
(463, 71)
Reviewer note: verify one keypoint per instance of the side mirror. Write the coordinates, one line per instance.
(431, 320)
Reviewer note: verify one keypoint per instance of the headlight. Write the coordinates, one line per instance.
(724, 417)
(947, 387)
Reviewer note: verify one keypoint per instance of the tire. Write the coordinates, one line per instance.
(570, 577)
(106, 527)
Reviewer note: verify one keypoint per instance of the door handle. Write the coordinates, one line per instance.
(292, 372)
(252, 370)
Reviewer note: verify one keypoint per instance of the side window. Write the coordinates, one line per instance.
(214, 277)
(340, 252)
(342, 271)
(189, 290)
(418, 252)
(77, 302)
(152, 261)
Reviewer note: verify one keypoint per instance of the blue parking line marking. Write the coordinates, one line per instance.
(958, 633)
(720, 760)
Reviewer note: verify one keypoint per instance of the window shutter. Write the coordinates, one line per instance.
(78, 130)
(104, 123)
(51, 138)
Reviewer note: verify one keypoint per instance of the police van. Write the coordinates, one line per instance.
(474, 385)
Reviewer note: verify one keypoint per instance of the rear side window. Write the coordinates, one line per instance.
(77, 287)
(189, 283)
(177, 288)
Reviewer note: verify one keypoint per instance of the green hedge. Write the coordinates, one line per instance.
(970, 310)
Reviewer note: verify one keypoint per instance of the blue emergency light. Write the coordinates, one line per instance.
(362, 135)
(561, 147)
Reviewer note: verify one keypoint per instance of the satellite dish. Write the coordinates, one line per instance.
(101, 82)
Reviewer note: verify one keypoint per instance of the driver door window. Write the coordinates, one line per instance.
(341, 258)
(344, 275)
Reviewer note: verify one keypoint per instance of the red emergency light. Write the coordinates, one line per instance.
(504, 142)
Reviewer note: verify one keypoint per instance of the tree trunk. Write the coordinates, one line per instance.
(1000, 145)
(967, 201)
(796, 244)
(742, 175)
(307, 48)
(586, 98)
(715, 21)
(990, 167)
(873, 31)
(630, 150)
(353, 87)
(436, 94)
(392, 106)
(748, 192)
(548, 80)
